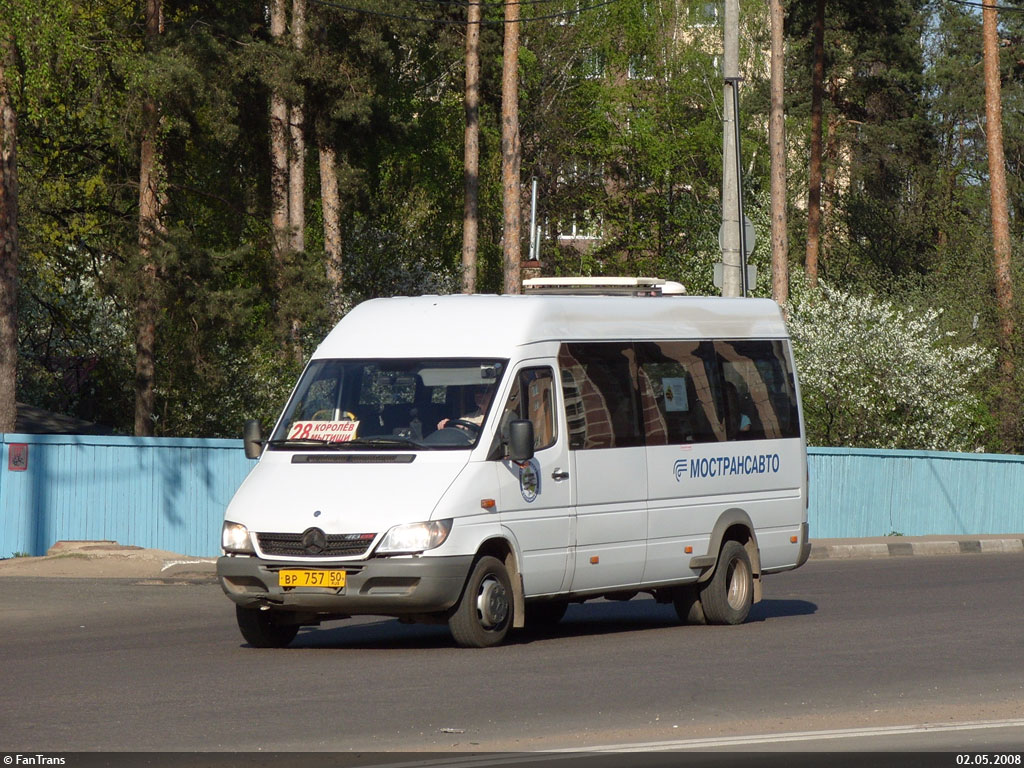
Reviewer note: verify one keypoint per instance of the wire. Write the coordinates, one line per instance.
(989, 6)
(483, 3)
(402, 17)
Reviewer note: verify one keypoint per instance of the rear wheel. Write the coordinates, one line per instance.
(262, 629)
(727, 597)
(483, 615)
(686, 600)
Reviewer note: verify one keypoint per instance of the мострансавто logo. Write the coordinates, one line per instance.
(725, 466)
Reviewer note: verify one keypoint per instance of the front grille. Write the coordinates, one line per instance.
(338, 544)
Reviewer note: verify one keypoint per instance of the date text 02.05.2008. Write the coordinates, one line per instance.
(988, 759)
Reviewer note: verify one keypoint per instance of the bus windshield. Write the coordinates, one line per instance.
(389, 404)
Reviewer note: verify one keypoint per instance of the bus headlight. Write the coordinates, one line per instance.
(415, 537)
(234, 539)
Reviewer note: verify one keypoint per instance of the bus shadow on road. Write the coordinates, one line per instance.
(779, 609)
(594, 618)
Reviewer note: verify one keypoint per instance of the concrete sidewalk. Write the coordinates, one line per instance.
(110, 560)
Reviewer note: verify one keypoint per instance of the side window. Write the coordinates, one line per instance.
(321, 401)
(533, 397)
(760, 396)
(599, 387)
(679, 391)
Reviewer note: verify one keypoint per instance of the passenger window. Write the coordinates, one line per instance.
(532, 397)
(600, 393)
(679, 392)
(760, 397)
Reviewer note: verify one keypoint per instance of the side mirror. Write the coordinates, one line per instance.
(520, 440)
(252, 439)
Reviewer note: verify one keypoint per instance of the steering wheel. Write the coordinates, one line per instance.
(468, 426)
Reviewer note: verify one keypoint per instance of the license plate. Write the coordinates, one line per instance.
(311, 578)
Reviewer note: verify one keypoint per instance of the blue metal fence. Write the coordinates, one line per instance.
(858, 492)
(169, 493)
(161, 493)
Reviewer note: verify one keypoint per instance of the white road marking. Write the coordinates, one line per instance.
(780, 738)
(171, 563)
(511, 758)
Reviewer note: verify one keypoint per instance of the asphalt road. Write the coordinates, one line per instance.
(119, 665)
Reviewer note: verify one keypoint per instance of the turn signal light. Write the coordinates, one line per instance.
(595, 560)
(688, 550)
(488, 503)
(793, 539)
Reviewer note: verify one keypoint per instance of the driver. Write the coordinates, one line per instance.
(482, 396)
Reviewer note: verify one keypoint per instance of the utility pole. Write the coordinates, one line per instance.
(732, 279)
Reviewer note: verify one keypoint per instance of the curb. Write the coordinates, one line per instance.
(108, 559)
(847, 549)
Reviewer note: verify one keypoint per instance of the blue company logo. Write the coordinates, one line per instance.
(727, 466)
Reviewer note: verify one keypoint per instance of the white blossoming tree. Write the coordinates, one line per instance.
(872, 375)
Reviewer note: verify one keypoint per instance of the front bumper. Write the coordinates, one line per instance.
(384, 586)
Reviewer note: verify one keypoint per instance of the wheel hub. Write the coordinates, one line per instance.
(739, 585)
(492, 603)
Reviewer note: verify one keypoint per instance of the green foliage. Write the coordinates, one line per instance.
(875, 376)
(620, 124)
(625, 142)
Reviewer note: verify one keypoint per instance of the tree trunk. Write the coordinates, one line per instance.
(8, 247)
(1000, 225)
(331, 206)
(777, 141)
(296, 178)
(510, 149)
(471, 150)
(297, 154)
(814, 177)
(150, 212)
(279, 220)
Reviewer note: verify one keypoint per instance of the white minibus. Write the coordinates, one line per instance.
(483, 461)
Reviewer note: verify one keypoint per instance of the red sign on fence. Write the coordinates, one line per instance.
(17, 457)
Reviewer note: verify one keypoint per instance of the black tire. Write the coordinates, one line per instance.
(483, 615)
(262, 629)
(689, 609)
(727, 597)
(545, 613)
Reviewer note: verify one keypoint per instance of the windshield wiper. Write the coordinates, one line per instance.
(359, 442)
(306, 441)
(384, 441)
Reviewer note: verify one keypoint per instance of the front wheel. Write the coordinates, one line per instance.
(483, 614)
(261, 629)
(727, 597)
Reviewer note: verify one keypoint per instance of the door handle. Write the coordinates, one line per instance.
(559, 475)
